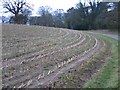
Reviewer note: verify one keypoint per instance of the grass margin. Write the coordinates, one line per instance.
(107, 77)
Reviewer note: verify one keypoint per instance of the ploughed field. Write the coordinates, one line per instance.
(34, 56)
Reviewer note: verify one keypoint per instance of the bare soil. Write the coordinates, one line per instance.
(35, 57)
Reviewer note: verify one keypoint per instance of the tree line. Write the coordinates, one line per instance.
(93, 15)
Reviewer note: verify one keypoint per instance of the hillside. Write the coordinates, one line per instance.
(35, 56)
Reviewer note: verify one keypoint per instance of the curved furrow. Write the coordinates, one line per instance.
(33, 56)
(25, 34)
(30, 43)
(49, 79)
(53, 53)
(42, 67)
(44, 46)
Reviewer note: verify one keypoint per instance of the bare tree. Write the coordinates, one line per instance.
(44, 10)
(4, 19)
(16, 7)
(58, 18)
(46, 18)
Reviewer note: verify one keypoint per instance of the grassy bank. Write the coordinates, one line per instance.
(108, 76)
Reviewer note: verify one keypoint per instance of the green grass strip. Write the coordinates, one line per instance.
(107, 77)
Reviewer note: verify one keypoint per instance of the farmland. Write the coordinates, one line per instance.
(35, 56)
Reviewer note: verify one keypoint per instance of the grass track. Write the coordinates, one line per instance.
(108, 76)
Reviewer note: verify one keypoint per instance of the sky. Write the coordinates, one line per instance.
(54, 4)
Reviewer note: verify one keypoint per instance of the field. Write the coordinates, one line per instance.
(36, 57)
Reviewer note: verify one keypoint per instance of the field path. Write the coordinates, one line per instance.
(115, 36)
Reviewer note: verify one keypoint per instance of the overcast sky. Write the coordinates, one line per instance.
(55, 4)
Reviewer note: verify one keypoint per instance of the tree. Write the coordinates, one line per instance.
(23, 18)
(84, 15)
(69, 20)
(76, 18)
(16, 7)
(91, 11)
(44, 10)
(4, 19)
(34, 20)
(46, 18)
(108, 19)
(96, 10)
(58, 18)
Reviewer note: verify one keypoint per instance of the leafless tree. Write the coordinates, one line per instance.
(16, 7)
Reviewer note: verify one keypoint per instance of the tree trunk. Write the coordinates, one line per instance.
(16, 20)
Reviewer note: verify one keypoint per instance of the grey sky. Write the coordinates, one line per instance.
(55, 4)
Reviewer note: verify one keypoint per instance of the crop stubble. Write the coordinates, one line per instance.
(35, 56)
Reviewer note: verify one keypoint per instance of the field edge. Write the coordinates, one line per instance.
(107, 77)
